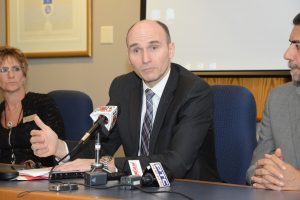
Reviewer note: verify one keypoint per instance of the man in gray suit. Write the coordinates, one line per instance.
(276, 160)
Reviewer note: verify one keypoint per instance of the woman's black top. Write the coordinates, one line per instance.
(33, 103)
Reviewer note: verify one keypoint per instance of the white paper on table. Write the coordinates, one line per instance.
(33, 174)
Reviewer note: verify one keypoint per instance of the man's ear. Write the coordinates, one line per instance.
(171, 50)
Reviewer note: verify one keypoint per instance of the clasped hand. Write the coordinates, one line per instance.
(273, 173)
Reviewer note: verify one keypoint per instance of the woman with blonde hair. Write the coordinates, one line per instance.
(18, 108)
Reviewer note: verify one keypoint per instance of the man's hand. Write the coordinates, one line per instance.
(84, 165)
(267, 175)
(81, 165)
(273, 173)
(290, 175)
(45, 142)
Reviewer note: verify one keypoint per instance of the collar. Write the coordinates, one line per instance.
(160, 86)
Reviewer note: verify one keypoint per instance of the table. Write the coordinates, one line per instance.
(194, 189)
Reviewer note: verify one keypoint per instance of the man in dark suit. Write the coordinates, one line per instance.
(178, 127)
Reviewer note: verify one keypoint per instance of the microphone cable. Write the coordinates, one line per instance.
(60, 160)
(87, 135)
(72, 152)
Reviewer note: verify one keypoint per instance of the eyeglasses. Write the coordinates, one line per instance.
(5, 70)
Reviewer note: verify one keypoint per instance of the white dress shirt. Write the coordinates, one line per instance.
(158, 90)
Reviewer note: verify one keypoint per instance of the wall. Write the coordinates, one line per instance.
(92, 75)
(215, 35)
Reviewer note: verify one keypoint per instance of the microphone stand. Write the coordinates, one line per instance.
(97, 164)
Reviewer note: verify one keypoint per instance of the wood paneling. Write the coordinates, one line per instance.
(259, 86)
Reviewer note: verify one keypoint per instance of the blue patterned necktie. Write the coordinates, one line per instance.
(147, 124)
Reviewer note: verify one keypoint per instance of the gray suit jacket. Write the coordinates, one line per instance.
(280, 127)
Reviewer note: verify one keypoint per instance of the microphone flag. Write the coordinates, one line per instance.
(135, 167)
(160, 177)
(107, 113)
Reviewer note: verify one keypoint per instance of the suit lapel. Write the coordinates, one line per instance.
(167, 97)
(294, 109)
(135, 107)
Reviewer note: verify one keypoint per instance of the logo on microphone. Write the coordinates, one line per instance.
(135, 167)
(160, 174)
(107, 113)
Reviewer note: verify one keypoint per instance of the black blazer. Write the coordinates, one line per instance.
(182, 138)
(33, 103)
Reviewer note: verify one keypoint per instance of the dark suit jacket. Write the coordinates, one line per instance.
(182, 138)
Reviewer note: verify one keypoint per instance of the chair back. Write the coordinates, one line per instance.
(75, 108)
(235, 131)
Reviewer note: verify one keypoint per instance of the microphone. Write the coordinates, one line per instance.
(107, 113)
(155, 176)
(135, 167)
(104, 117)
(129, 182)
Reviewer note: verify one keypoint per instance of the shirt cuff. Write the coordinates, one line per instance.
(67, 158)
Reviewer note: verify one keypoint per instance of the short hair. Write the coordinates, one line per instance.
(296, 20)
(11, 52)
(166, 29)
(161, 24)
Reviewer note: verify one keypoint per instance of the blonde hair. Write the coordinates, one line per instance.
(11, 52)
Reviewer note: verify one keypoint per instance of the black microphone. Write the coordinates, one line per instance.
(98, 123)
(155, 176)
(105, 118)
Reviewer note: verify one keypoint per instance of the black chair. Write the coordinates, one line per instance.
(235, 131)
(75, 108)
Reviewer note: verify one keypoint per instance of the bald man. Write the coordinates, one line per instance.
(179, 132)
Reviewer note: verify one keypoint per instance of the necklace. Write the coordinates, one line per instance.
(10, 124)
